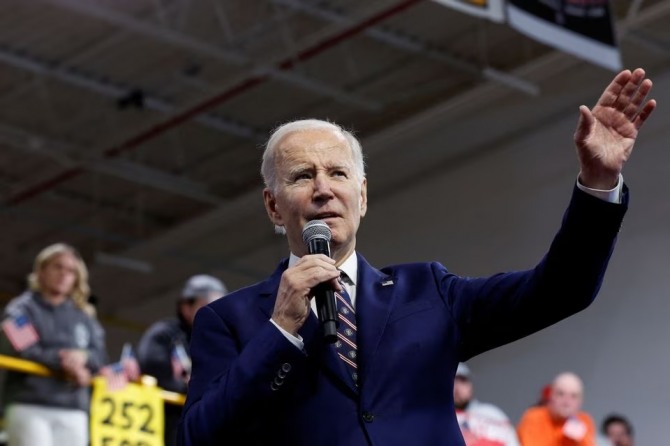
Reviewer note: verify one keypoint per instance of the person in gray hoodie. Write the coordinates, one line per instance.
(53, 324)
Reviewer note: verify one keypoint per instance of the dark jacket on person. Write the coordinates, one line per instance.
(154, 354)
(63, 326)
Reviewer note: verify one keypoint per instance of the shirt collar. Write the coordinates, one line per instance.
(350, 268)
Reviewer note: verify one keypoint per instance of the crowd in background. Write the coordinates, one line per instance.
(557, 419)
(53, 323)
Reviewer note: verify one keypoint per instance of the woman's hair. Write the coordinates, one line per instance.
(80, 289)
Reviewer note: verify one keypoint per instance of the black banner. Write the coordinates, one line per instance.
(583, 28)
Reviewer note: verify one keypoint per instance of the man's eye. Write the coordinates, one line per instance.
(340, 173)
(303, 176)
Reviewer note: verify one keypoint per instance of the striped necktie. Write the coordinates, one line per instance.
(346, 333)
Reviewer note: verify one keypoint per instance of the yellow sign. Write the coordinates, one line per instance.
(131, 416)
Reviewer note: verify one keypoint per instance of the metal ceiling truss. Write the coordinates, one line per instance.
(113, 90)
(196, 46)
(22, 140)
(175, 120)
(412, 45)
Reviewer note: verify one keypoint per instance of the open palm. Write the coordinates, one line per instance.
(606, 134)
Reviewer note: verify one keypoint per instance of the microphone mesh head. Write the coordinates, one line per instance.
(316, 229)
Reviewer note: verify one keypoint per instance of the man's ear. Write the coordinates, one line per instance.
(271, 207)
(364, 197)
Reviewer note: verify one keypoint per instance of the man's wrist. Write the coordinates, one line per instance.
(599, 182)
(612, 195)
(294, 339)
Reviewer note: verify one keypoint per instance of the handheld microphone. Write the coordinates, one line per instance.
(316, 234)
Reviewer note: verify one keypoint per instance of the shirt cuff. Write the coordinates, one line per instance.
(612, 196)
(298, 342)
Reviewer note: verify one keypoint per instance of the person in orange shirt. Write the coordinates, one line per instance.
(560, 422)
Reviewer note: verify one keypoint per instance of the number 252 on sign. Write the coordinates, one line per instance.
(131, 416)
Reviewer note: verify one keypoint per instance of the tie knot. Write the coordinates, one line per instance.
(344, 278)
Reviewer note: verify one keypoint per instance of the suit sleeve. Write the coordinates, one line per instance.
(235, 389)
(496, 310)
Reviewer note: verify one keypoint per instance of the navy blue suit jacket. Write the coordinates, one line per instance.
(251, 386)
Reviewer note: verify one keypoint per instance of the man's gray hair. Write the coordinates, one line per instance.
(268, 165)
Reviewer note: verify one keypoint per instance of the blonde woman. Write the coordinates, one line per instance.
(51, 323)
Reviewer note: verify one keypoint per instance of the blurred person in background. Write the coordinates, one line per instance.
(560, 422)
(618, 429)
(482, 424)
(163, 351)
(51, 324)
(544, 395)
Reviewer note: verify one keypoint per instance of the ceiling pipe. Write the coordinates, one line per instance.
(214, 101)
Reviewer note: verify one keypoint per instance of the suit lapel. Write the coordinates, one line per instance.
(268, 289)
(374, 300)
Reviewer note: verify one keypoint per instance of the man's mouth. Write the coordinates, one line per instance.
(325, 216)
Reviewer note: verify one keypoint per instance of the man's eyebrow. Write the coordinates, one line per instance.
(339, 166)
(298, 168)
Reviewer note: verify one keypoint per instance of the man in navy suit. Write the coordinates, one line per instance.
(262, 372)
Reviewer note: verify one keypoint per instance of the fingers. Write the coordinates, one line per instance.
(614, 89)
(308, 272)
(627, 93)
(646, 111)
(312, 270)
(636, 98)
(71, 359)
(632, 94)
(77, 373)
(336, 283)
(584, 124)
(295, 289)
(82, 377)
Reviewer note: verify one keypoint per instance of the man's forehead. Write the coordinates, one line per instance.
(568, 384)
(327, 152)
(313, 137)
(319, 149)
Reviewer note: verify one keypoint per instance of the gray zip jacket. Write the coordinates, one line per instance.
(59, 327)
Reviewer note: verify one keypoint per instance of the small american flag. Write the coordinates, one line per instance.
(181, 362)
(130, 365)
(20, 332)
(115, 376)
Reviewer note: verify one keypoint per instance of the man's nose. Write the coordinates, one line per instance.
(322, 186)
